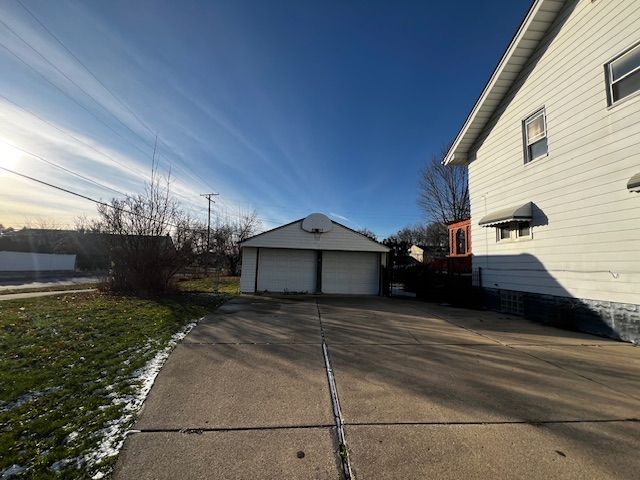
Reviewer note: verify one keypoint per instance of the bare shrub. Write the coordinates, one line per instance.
(149, 239)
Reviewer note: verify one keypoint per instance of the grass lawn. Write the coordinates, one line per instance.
(68, 366)
(225, 285)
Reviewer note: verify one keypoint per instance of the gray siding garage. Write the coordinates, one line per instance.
(312, 255)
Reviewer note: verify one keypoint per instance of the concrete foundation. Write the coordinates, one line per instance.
(608, 319)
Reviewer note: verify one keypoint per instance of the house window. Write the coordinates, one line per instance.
(623, 75)
(524, 229)
(513, 231)
(461, 242)
(535, 136)
(504, 232)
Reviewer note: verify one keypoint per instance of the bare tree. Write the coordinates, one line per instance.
(227, 236)
(368, 233)
(149, 237)
(84, 224)
(435, 234)
(444, 191)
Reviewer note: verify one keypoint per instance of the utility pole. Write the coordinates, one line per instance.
(209, 196)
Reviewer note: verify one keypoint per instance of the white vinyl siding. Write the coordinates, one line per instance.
(284, 270)
(293, 236)
(355, 273)
(586, 239)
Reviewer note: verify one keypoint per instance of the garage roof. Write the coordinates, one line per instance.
(293, 236)
(526, 40)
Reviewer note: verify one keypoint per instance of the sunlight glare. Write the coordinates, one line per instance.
(9, 156)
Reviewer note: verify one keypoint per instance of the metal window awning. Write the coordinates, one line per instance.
(634, 183)
(521, 213)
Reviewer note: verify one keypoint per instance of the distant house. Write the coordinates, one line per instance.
(425, 253)
(552, 148)
(92, 249)
(417, 253)
(26, 262)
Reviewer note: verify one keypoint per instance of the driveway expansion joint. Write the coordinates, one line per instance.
(198, 430)
(494, 422)
(342, 444)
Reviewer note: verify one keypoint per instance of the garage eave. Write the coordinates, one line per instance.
(293, 236)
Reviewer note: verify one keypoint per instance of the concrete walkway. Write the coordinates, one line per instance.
(423, 391)
(19, 296)
(45, 282)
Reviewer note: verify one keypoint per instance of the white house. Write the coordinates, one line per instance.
(417, 253)
(553, 153)
(313, 255)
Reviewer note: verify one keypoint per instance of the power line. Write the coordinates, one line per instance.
(91, 199)
(88, 145)
(65, 93)
(127, 167)
(57, 39)
(95, 77)
(71, 80)
(81, 105)
(58, 166)
(86, 197)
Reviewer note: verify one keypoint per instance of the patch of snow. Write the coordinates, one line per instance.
(113, 435)
(71, 437)
(59, 465)
(26, 398)
(11, 471)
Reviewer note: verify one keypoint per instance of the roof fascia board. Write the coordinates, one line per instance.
(453, 157)
(301, 219)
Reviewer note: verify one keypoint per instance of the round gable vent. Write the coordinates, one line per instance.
(317, 223)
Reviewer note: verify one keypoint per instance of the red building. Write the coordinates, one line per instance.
(460, 238)
(459, 257)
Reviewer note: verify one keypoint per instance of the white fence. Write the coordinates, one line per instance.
(36, 262)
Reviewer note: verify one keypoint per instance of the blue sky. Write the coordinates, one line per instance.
(285, 107)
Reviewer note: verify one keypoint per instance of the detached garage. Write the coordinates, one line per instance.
(313, 255)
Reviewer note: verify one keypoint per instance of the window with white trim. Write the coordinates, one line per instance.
(513, 231)
(535, 136)
(623, 75)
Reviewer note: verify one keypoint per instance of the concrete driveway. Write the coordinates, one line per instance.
(421, 391)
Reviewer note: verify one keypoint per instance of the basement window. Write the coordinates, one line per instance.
(535, 136)
(623, 75)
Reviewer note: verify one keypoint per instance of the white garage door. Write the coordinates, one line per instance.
(284, 270)
(350, 272)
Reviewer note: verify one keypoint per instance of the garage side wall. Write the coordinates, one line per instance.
(248, 274)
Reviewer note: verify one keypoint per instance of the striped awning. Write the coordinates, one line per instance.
(521, 213)
(634, 183)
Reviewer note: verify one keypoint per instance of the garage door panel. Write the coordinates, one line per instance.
(285, 270)
(355, 273)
